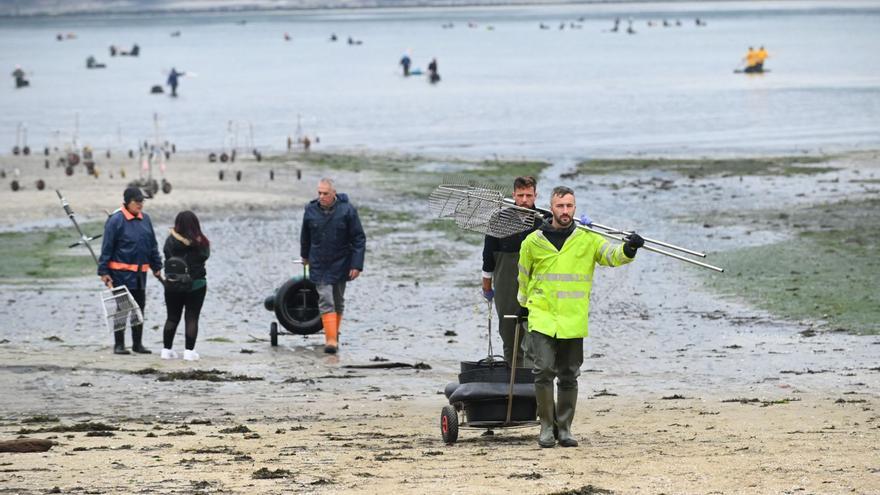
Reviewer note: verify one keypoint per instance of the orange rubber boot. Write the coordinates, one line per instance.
(331, 332)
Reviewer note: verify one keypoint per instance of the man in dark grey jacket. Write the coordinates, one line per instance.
(500, 259)
(333, 245)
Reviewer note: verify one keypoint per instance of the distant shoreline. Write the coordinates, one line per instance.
(46, 9)
(259, 6)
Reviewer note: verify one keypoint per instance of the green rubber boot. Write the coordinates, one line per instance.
(564, 415)
(544, 397)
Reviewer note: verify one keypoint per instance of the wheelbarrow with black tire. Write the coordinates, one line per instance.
(295, 305)
(490, 394)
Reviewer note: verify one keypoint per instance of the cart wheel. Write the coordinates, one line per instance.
(449, 425)
(273, 334)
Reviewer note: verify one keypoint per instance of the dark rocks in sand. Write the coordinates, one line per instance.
(21, 445)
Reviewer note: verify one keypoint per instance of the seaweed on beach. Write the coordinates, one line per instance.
(100, 434)
(417, 366)
(34, 254)
(78, 427)
(266, 474)
(212, 375)
(705, 167)
(584, 490)
(219, 449)
(236, 429)
(811, 275)
(41, 418)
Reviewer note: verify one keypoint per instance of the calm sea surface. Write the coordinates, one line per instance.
(507, 86)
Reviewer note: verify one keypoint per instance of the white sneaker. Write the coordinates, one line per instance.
(190, 355)
(168, 354)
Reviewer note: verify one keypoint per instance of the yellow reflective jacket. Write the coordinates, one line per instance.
(752, 58)
(761, 55)
(555, 285)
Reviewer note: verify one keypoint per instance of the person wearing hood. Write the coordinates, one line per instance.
(186, 251)
(556, 265)
(128, 251)
(333, 245)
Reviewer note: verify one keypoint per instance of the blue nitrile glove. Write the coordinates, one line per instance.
(489, 294)
(585, 220)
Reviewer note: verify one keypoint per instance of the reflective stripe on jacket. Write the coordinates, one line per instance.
(555, 285)
(129, 249)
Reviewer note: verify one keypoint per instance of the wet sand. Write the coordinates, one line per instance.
(683, 391)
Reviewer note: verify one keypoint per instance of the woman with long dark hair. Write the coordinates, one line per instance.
(186, 251)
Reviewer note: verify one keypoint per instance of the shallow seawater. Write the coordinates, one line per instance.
(508, 87)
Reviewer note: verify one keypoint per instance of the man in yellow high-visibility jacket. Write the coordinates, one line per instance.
(556, 265)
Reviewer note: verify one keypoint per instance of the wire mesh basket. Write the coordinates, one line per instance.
(119, 308)
(480, 209)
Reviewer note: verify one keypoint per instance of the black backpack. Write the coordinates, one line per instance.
(177, 277)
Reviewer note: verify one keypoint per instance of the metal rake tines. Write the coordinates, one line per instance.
(480, 209)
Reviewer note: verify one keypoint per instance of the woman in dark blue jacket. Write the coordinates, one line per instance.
(128, 250)
(333, 245)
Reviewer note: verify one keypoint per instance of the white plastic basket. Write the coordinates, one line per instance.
(119, 308)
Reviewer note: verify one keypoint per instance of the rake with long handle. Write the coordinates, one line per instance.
(611, 235)
(486, 210)
(612, 230)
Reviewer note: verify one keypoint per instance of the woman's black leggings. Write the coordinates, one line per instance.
(175, 302)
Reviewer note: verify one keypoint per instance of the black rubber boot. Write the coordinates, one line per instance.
(544, 397)
(119, 343)
(136, 345)
(565, 407)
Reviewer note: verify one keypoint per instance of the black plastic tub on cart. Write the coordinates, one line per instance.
(483, 396)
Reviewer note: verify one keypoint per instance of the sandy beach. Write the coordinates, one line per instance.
(685, 390)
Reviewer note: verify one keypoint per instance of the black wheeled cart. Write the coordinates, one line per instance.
(295, 304)
(488, 395)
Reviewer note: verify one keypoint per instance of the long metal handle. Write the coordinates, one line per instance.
(512, 368)
(648, 248)
(84, 238)
(654, 250)
(624, 232)
(648, 239)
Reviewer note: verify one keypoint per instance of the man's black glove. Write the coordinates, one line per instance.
(523, 313)
(633, 243)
